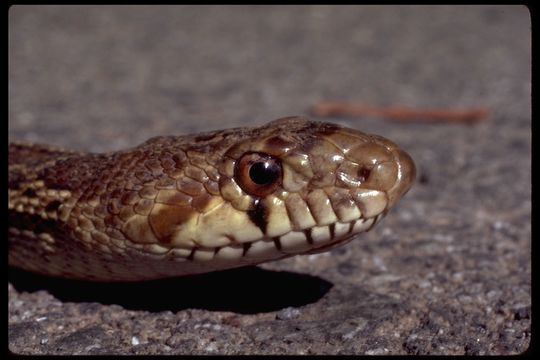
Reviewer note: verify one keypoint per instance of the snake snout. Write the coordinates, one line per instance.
(406, 173)
(377, 164)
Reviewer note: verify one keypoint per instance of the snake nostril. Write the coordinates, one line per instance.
(363, 173)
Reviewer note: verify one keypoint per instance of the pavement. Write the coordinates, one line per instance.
(448, 271)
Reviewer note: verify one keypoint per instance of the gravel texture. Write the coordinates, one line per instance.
(447, 272)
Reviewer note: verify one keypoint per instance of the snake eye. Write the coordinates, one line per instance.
(258, 174)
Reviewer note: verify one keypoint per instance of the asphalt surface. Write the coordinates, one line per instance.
(447, 272)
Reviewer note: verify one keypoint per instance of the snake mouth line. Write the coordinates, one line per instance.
(308, 241)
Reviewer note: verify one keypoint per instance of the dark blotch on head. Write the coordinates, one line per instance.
(277, 144)
(328, 128)
(259, 215)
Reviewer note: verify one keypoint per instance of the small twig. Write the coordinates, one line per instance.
(400, 113)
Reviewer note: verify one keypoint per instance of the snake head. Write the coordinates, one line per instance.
(299, 186)
(251, 195)
(198, 203)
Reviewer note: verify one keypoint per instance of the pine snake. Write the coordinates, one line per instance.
(179, 205)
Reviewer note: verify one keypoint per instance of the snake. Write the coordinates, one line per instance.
(191, 204)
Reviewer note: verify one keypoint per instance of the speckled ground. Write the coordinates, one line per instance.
(447, 272)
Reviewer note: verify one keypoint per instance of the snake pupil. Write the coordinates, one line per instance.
(263, 172)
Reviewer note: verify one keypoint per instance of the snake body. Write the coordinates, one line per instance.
(180, 205)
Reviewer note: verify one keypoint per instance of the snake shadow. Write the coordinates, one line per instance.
(246, 290)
